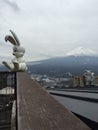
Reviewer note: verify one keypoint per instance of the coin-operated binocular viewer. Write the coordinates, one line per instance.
(17, 63)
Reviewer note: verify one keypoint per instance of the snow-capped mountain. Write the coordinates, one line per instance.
(75, 62)
(81, 51)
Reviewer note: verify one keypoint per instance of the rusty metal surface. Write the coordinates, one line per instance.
(37, 110)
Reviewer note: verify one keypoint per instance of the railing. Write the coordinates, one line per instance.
(7, 96)
(38, 110)
(25, 105)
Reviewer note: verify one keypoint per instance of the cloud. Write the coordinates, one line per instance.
(12, 4)
(50, 27)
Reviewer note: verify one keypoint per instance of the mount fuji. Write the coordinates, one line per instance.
(75, 61)
(80, 51)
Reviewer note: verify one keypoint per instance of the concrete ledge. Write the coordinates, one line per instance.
(37, 110)
(94, 100)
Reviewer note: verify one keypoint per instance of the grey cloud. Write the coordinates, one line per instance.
(56, 26)
(12, 4)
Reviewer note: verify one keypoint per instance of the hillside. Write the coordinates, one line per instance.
(74, 64)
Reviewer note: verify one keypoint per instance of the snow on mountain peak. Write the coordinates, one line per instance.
(81, 51)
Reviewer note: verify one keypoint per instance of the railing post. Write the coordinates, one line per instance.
(16, 110)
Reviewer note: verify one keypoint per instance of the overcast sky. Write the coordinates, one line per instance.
(48, 28)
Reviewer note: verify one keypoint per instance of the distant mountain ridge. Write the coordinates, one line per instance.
(74, 64)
